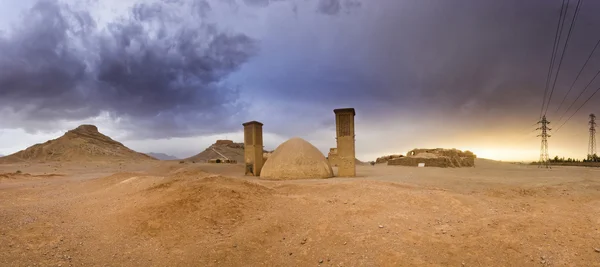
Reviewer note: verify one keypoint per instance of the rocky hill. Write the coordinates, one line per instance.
(83, 143)
(222, 149)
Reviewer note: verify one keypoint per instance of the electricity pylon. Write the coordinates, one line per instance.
(592, 143)
(544, 157)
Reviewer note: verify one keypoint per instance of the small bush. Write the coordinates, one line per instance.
(18, 172)
(181, 162)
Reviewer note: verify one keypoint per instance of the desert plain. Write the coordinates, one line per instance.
(168, 213)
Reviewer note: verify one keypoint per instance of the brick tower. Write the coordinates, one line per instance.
(253, 148)
(344, 122)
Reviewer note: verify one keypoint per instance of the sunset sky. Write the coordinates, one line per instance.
(172, 76)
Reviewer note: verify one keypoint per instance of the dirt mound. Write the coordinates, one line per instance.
(222, 149)
(12, 175)
(80, 144)
(213, 201)
(21, 175)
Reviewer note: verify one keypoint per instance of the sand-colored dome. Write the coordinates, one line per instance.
(296, 159)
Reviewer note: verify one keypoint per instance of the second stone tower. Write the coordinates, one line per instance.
(344, 124)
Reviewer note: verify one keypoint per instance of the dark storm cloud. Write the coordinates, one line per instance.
(177, 72)
(491, 56)
(259, 3)
(468, 57)
(40, 69)
(326, 7)
(160, 69)
(330, 7)
(333, 7)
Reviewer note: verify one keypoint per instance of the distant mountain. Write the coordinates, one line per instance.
(161, 156)
(83, 143)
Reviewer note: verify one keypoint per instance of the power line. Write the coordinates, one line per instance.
(578, 74)
(559, 32)
(554, 50)
(573, 20)
(578, 109)
(529, 127)
(580, 94)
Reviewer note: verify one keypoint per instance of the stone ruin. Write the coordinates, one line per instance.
(386, 159)
(224, 142)
(438, 157)
(333, 157)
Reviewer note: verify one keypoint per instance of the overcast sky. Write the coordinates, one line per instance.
(172, 76)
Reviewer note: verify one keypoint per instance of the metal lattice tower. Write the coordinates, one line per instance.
(544, 157)
(592, 144)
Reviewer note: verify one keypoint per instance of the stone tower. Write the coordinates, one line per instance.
(344, 122)
(253, 148)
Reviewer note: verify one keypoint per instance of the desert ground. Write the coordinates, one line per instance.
(167, 213)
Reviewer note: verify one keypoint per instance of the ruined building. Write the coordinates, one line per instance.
(387, 158)
(436, 158)
(333, 157)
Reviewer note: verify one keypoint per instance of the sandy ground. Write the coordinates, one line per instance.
(171, 214)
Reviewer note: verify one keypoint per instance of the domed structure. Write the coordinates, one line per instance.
(296, 159)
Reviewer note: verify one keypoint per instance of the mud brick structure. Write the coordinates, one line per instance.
(253, 148)
(346, 160)
(387, 158)
(332, 157)
(296, 159)
(438, 157)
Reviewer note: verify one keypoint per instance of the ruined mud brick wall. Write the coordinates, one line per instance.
(442, 162)
(333, 157)
(436, 158)
(442, 152)
(385, 159)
